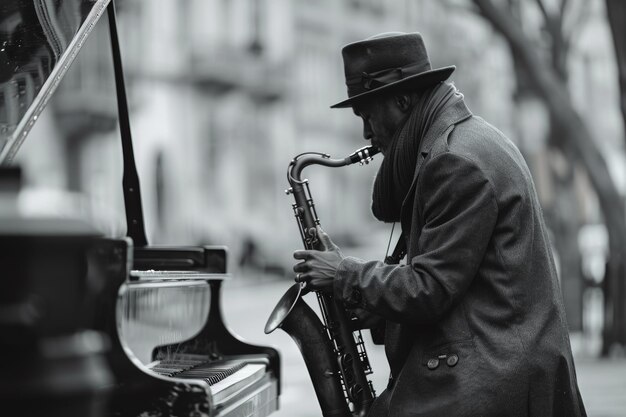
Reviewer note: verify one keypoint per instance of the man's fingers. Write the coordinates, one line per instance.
(302, 278)
(328, 244)
(320, 284)
(312, 282)
(300, 267)
(301, 254)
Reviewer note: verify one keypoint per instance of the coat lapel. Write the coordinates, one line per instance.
(442, 126)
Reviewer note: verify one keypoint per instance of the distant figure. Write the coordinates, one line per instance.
(249, 252)
(475, 324)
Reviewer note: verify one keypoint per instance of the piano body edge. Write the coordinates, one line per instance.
(140, 389)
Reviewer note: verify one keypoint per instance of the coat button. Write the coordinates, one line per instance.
(432, 363)
(452, 360)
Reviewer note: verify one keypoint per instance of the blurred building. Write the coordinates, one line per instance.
(224, 93)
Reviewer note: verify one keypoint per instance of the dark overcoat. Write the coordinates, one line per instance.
(475, 324)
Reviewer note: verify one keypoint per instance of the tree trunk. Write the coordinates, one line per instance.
(562, 212)
(553, 93)
(616, 12)
(563, 216)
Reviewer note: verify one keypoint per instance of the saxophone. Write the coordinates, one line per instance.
(334, 355)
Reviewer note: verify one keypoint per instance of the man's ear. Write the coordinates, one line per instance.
(404, 102)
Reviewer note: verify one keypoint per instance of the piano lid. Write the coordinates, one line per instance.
(39, 39)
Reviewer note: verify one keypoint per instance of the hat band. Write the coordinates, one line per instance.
(377, 79)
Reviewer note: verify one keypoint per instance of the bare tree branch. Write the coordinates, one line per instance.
(579, 20)
(561, 15)
(559, 44)
(563, 7)
(544, 11)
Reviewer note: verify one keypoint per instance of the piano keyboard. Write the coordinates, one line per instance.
(224, 377)
(210, 372)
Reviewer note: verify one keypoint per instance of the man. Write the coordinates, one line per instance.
(475, 324)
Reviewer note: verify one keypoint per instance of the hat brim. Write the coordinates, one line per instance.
(423, 79)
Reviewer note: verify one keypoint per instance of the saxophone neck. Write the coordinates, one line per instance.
(363, 155)
(304, 207)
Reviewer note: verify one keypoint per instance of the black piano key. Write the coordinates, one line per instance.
(210, 374)
(194, 368)
(178, 363)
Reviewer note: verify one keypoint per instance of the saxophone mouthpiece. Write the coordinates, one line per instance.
(363, 155)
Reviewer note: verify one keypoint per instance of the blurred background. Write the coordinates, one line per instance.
(223, 93)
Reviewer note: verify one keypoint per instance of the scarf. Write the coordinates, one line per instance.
(395, 175)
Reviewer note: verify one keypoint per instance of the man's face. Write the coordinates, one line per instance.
(381, 116)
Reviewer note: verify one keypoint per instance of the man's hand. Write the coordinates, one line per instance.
(318, 268)
(365, 319)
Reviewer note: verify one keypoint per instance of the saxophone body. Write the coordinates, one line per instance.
(335, 356)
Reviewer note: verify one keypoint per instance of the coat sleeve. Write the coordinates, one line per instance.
(459, 211)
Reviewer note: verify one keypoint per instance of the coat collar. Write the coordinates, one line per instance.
(448, 118)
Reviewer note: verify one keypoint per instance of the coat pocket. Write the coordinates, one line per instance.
(440, 383)
(455, 379)
(449, 355)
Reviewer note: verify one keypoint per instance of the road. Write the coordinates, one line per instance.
(249, 301)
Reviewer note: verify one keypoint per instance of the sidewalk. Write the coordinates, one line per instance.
(602, 384)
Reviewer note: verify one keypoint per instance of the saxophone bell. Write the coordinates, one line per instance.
(293, 315)
(283, 308)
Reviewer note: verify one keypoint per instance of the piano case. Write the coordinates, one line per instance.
(212, 373)
(170, 352)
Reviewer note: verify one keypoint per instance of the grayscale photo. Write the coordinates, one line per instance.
(289, 208)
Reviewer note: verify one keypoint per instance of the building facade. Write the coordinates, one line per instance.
(224, 93)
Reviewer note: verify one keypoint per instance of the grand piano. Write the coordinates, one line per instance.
(141, 325)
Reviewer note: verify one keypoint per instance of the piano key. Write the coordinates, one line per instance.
(233, 384)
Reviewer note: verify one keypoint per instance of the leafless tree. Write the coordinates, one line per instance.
(616, 11)
(556, 35)
(548, 84)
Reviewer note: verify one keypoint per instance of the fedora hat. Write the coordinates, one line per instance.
(385, 62)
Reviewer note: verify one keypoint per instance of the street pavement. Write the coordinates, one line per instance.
(602, 385)
(249, 299)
